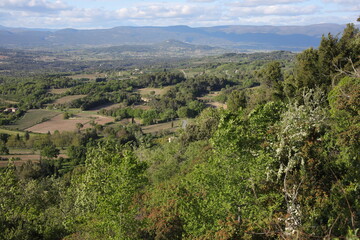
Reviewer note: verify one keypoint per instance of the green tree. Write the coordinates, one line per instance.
(79, 126)
(184, 112)
(3, 148)
(29, 209)
(300, 168)
(104, 194)
(27, 135)
(149, 116)
(49, 151)
(237, 100)
(307, 72)
(228, 190)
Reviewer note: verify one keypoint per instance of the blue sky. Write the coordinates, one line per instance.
(87, 14)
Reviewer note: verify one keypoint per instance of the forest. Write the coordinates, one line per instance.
(279, 160)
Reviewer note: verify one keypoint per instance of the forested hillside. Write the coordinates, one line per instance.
(281, 162)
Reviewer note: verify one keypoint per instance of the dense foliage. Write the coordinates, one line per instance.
(282, 162)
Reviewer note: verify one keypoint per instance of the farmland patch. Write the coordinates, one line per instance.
(59, 123)
(168, 126)
(33, 117)
(58, 90)
(68, 99)
(156, 91)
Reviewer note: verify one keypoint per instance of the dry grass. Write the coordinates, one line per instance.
(92, 76)
(18, 151)
(12, 132)
(107, 106)
(68, 99)
(59, 90)
(126, 121)
(216, 105)
(143, 107)
(210, 102)
(162, 127)
(62, 125)
(8, 101)
(35, 158)
(17, 162)
(158, 91)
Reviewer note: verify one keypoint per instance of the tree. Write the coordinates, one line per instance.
(328, 50)
(236, 100)
(79, 126)
(196, 107)
(231, 190)
(272, 77)
(49, 151)
(307, 73)
(3, 148)
(299, 165)
(27, 135)
(66, 115)
(104, 194)
(184, 112)
(29, 209)
(149, 116)
(271, 74)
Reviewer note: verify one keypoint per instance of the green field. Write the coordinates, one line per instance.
(31, 118)
(68, 99)
(11, 132)
(161, 127)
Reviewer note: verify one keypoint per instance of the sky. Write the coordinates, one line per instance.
(90, 14)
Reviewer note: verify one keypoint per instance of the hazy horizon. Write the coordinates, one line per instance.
(241, 25)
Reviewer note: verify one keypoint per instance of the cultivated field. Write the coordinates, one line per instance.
(33, 117)
(68, 99)
(59, 123)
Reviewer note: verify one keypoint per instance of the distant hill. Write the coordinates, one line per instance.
(294, 38)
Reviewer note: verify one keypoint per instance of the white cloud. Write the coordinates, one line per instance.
(291, 20)
(281, 10)
(57, 14)
(342, 1)
(254, 3)
(34, 5)
(160, 11)
(202, 1)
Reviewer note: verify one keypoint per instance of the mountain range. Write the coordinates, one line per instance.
(240, 37)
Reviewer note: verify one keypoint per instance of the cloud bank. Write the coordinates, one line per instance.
(110, 13)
